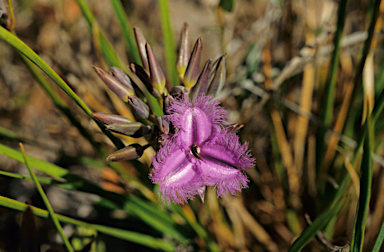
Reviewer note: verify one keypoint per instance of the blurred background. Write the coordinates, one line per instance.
(278, 64)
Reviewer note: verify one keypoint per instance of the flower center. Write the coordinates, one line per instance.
(195, 150)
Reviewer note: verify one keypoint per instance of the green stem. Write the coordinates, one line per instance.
(169, 46)
(46, 202)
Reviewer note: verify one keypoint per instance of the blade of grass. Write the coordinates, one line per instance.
(130, 236)
(320, 222)
(46, 202)
(108, 50)
(126, 29)
(169, 44)
(365, 189)
(145, 211)
(330, 88)
(30, 54)
(379, 240)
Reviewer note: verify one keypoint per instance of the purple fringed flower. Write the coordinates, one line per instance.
(201, 153)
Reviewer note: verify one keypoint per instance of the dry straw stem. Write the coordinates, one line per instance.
(347, 68)
(285, 149)
(250, 223)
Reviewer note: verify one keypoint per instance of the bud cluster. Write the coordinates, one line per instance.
(156, 129)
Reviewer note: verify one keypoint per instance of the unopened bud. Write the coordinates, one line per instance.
(140, 41)
(134, 129)
(114, 84)
(6, 15)
(219, 70)
(110, 118)
(139, 108)
(130, 152)
(157, 75)
(233, 128)
(121, 76)
(167, 102)
(192, 72)
(183, 57)
(179, 92)
(203, 80)
(163, 123)
(144, 77)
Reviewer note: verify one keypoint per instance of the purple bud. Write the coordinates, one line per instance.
(144, 77)
(179, 92)
(139, 108)
(133, 129)
(167, 103)
(157, 75)
(110, 118)
(114, 84)
(130, 152)
(203, 80)
(121, 76)
(163, 123)
(219, 70)
(140, 41)
(192, 72)
(6, 15)
(233, 128)
(183, 57)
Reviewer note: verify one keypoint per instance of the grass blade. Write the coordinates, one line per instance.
(127, 31)
(135, 237)
(330, 88)
(379, 240)
(365, 190)
(46, 202)
(169, 44)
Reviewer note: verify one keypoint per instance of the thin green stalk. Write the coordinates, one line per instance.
(126, 29)
(330, 88)
(365, 189)
(19, 45)
(379, 240)
(107, 50)
(130, 236)
(375, 9)
(46, 202)
(169, 44)
(111, 56)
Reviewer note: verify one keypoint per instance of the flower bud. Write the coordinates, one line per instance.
(110, 118)
(203, 80)
(217, 83)
(157, 75)
(179, 92)
(114, 84)
(133, 129)
(163, 123)
(192, 72)
(6, 15)
(139, 108)
(140, 41)
(121, 76)
(183, 57)
(144, 77)
(130, 152)
(167, 102)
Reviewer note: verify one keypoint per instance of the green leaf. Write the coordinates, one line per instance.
(379, 240)
(135, 237)
(169, 44)
(46, 202)
(126, 29)
(227, 5)
(365, 190)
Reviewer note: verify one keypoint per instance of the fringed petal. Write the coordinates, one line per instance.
(196, 120)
